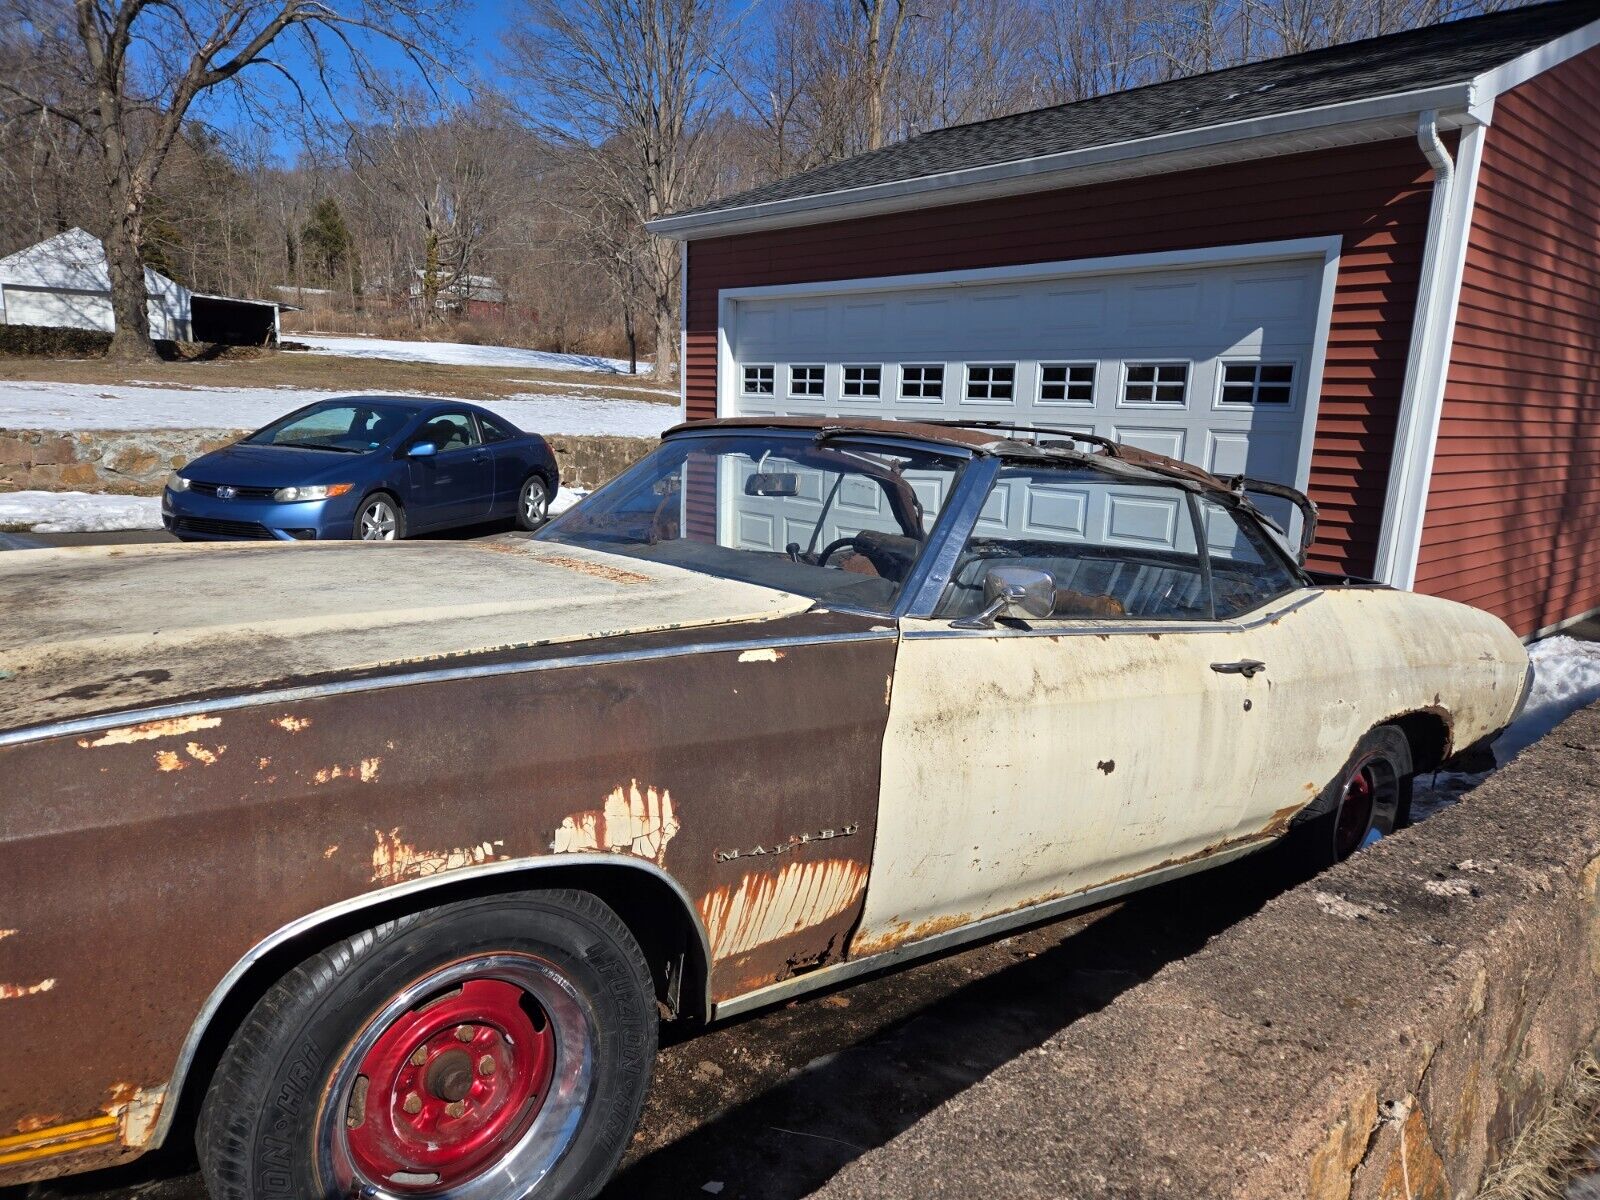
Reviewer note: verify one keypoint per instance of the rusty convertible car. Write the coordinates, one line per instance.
(375, 868)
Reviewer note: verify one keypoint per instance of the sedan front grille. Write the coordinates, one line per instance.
(238, 529)
(239, 490)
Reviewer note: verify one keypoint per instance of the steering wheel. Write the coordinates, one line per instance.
(834, 547)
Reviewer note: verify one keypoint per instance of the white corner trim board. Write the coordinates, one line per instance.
(1427, 364)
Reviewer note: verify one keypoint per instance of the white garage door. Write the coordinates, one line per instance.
(1209, 364)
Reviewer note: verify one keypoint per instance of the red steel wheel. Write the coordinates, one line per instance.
(450, 1085)
(471, 1079)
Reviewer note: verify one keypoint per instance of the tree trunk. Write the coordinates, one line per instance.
(633, 337)
(665, 291)
(130, 339)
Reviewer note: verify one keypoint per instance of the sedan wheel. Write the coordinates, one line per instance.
(380, 520)
(1367, 801)
(497, 1048)
(533, 503)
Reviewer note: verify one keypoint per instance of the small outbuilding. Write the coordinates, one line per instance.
(63, 282)
(1371, 271)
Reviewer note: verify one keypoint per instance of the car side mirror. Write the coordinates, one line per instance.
(422, 450)
(1012, 592)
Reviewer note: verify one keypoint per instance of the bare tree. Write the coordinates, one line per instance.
(139, 68)
(624, 85)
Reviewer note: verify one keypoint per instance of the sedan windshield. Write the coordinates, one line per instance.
(350, 428)
(842, 521)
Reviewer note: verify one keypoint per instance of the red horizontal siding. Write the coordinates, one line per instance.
(1513, 521)
(1375, 197)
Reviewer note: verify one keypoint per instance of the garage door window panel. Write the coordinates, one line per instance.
(758, 379)
(991, 383)
(863, 382)
(1067, 383)
(1116, 550)
(807, 381)
(1155, 384)
(922, 381)
(1249, 385)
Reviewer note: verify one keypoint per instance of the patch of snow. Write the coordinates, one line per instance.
(74, 406)
(77, 512)
(456, 354)
(665, 393)
(565, 499)
(1566, 677)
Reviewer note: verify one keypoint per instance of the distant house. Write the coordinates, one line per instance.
(63, 282)
(1371, 271)
(464, 295)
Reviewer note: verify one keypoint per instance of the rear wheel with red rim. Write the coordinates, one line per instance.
(453, 1053)
(1367, 799)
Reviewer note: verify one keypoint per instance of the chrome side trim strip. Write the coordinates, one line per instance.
(1102, 628)
(291, 695)
(977, 931)
(355, 904)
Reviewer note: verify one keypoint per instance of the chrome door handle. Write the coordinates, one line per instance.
(1247, 667)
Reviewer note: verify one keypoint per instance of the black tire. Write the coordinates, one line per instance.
(267, 1133)
(1342, 819)
(359, 530)
(533, 502)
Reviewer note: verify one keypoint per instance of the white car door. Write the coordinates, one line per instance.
(1031, 761)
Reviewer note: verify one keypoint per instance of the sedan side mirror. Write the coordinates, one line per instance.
(422, 450)
(1012, 592)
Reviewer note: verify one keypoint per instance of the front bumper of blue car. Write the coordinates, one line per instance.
(194, 516)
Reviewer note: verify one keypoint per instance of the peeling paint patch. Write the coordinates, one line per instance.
(634, 822)
(753, 656)
(330, 851)
(150, 730)
(763, 908)
(597, 570)
(394, 860)
(202, 755)
(366, 771)
(292, 724)
(136, 1110)
(19, 991)
(168, 760)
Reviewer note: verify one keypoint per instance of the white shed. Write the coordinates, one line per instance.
(63, 282)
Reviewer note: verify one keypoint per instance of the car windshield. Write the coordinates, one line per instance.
(842, 521)
(346, 427)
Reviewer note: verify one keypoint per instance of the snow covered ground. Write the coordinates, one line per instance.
(456, 354)
(72, 406)
(82, 512)
(1566, 676)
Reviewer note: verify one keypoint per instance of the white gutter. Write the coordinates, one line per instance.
(1455, 188)
(1140, 156)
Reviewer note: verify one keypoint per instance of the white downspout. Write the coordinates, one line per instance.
(1404, 500)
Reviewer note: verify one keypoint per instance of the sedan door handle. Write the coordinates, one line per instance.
(1247, 667)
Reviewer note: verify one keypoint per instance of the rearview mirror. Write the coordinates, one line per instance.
(772, 483)
(422, 450)
(1012, 592)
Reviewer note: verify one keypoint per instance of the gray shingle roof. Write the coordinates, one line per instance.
(1436, 55)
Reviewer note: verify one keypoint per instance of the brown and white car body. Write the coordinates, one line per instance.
(216, 760)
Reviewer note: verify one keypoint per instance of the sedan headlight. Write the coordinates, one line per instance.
(177, 483)
(321, 491)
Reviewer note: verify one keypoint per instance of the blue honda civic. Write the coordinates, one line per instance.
(377, 468)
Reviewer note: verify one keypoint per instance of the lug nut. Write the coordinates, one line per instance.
(463, 1033)
(486, 1065)
(413, 1104)
(420, 1058)
(456, 1109)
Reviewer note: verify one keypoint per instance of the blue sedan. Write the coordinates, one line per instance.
(377, 468)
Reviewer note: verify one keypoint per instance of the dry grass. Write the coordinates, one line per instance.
(1554, 1146)
(290, 368)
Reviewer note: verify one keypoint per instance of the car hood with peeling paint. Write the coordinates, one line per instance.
(112, 627)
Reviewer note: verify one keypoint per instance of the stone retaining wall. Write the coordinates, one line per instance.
(1379, 1032)
(134, 462)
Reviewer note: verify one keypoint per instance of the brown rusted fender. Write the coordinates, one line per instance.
(194, 838)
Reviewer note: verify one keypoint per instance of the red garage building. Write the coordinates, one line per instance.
(1372, 271)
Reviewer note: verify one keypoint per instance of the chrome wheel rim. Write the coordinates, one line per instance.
(535, 501)
(379, 522)
(531, 1148)
(1369, 799)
